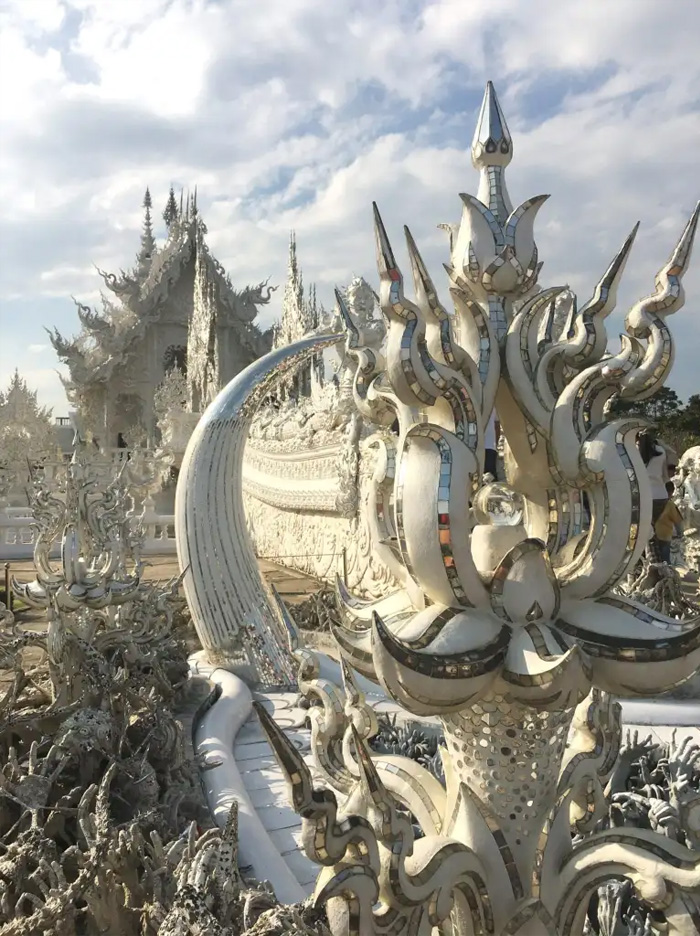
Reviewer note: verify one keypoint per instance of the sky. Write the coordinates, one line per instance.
(296, 114)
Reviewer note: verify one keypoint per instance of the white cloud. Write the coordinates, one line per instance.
(299, 114)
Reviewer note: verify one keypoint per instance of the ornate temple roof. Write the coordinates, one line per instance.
(300, 314)
(139, 296)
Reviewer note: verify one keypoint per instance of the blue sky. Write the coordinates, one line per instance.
(298, 113)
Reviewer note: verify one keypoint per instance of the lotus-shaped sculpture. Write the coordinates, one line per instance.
(506, 616)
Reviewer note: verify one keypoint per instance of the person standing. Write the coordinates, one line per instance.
(654, 457)
(669, 519)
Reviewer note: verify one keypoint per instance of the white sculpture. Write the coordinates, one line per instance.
(27, 436)
(225, 594)
(688, 486)
(100, 563)
(309, 464)
(517, 620)
(176, 307)
(101, 810)
(174, 420)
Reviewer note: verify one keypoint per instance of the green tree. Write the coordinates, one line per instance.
(677, 425)
(664, 404)
(170, 213)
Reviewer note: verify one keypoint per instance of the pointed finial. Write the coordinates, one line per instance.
(492, 144)
(669, 295)
(369, 776)
(386, 263)
(492, 150)
(194, 203)
(604, 296)
(288, 757)
(678, 261)
(148, 244)
(426, 294)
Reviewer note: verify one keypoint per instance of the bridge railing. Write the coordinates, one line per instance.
(18, 534)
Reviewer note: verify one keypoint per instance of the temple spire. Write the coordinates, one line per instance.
(294, 289)
(299, 317)
(148, 243)
(492, 151)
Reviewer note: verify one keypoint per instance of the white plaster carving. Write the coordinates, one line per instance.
(688, 486)
(27, 438)
(519, 619)
(176, 306)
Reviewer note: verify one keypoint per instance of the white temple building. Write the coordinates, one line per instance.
(176, 308)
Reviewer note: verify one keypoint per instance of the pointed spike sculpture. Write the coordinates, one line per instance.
(349, 684)
(492, 151)
(369, 776)
(492, 144)
(438, 334)
(288, 757)
(426, 294)
(602, 303)
(408, 376)
(348, 324)
(669, 296)
(647, 318)
(494, 247)
(386, 263)
(589, 341)
(362, 716)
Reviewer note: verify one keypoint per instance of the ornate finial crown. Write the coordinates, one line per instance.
(492, 144)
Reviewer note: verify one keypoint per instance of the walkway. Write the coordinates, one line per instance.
(267, 789)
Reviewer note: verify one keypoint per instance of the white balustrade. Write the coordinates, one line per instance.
(18, 534)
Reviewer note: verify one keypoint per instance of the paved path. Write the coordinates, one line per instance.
(265, 784)
(267, 789)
